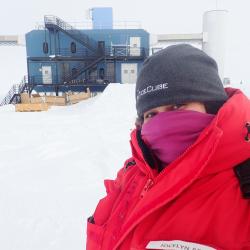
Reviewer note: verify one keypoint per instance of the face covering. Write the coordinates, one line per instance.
(169, 134)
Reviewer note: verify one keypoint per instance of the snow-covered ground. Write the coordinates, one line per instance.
(52, 166)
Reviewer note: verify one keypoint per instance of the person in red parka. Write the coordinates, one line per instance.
(187, 184)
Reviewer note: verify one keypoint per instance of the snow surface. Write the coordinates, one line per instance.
(52, 167)
(53, 164)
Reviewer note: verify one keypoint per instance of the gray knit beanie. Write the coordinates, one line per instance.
(176, 75)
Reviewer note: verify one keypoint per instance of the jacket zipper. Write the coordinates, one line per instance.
(178, 158)
(150, 182)
(148, 185)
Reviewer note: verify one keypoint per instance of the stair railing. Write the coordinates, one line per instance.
(13, 96)
(56, 22)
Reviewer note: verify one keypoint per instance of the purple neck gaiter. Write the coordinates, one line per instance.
(169, 134)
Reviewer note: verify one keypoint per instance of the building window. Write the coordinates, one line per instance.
(45, 48)
(73, 47)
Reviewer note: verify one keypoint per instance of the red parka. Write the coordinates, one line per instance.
(197, 198)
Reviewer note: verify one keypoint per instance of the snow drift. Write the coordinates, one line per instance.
(52, 167)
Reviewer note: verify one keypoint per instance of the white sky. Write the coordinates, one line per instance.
(158, 16)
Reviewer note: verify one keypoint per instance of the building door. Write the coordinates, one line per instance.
(64, 71)
(111, 77)
(47, 74)
(101, 47)
(135, 46)
(129, 72)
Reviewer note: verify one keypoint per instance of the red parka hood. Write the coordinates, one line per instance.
(222, 143)
(196, 198)
(220, 147)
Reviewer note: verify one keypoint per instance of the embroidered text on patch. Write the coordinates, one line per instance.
(176, 245)
(151, 88)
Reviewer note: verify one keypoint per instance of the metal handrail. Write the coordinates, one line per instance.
(81, 69)
(13, 96)
(111, 51)
(87, 25)
(115, 52)
(80, 52)
(56, 22)
(38, 80)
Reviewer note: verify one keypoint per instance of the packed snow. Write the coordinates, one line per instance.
(53, 164)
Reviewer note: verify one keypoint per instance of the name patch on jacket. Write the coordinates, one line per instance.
(177, 245)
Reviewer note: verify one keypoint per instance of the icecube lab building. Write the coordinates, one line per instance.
(63, 58)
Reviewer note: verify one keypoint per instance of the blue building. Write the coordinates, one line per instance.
(62, 58)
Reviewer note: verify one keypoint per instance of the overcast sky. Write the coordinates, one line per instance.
(157, 17)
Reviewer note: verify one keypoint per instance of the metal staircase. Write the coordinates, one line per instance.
(13, 96)
(56, 23)
(96, 54)
(82, 69)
